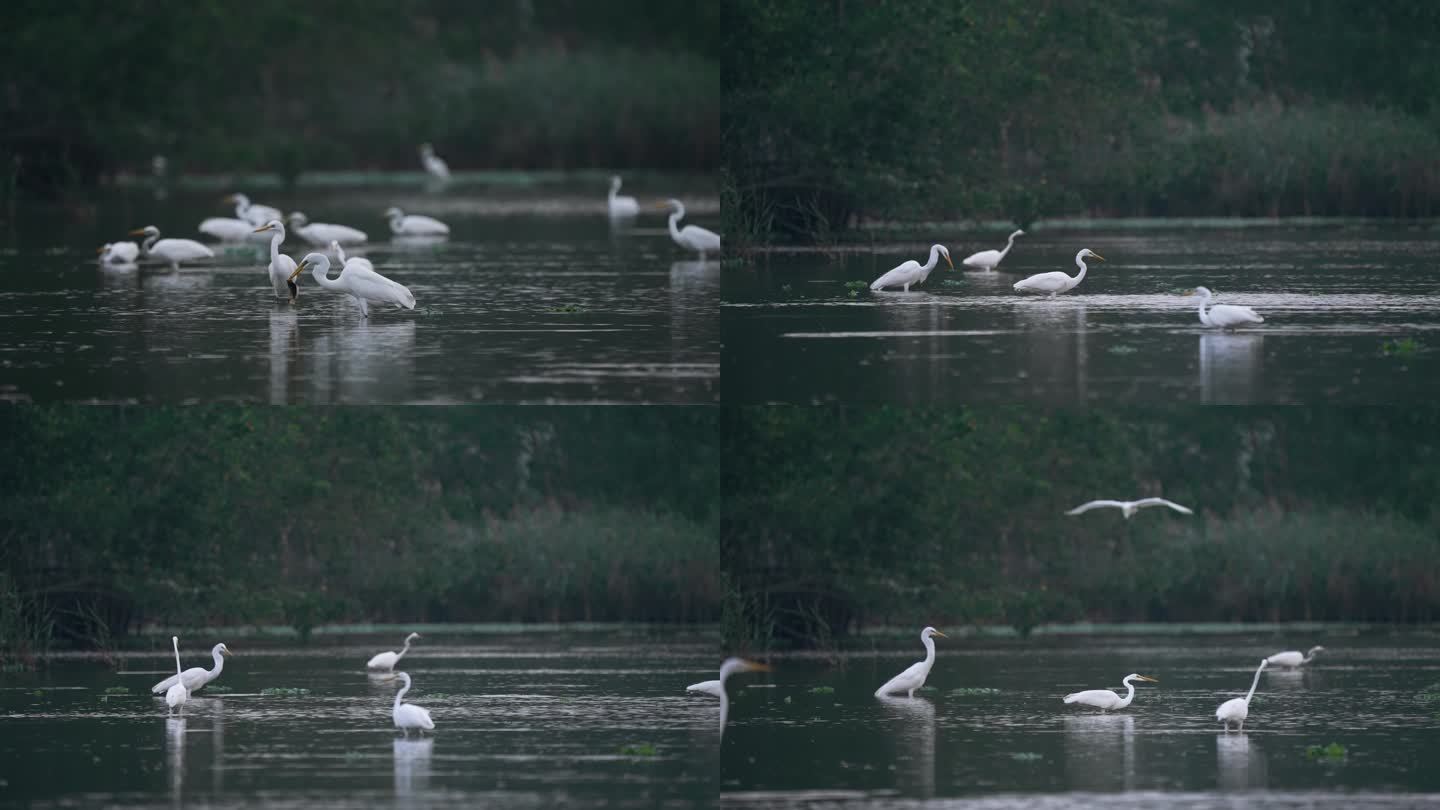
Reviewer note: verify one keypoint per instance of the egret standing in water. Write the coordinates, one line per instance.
(1129, 508)
(388, 660)
(415, 224)
(282, 267)
(733, 666)
(914, 676)
(322, 233)
(1224, 316)
(1293, 658)
(618, 205)
(255, 214)
(1057, 281)
(195, 678)
(227, 229)
(436, 167)
(408, 715)
(988, 260)
(359, 282)
(119, 253)
(177, 694)
(1235, 710)
(1104, 699)
(170, 251)
(690, 237)
(913, 272)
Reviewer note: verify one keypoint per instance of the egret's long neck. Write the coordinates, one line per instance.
(1008, 244)
(1129, 693)
(929, 651)
(928, 266)
(149, 241)
(1309, 656)
(403, 650)
(614, 189)
(1080, 262)
(275, 244)
(724, 699)
(401, 693)
(340, 254)
(219, 660)
(1204, 317)
(674, 218)
(1254, 684)
(177, 658)
(241, 206)
(322, 277)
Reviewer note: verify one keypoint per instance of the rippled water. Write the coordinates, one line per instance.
(532, 298)
(1332, 300)
(518, 724)
(1022, 747)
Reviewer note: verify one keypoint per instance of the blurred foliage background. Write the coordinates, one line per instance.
(89, 87)
(836, 518)
(1020, 109)
(233, 515)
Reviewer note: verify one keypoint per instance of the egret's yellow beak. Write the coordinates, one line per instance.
(99, 250)
(1147, 680)
(300, 268)
(1097, 255)
(755, 666)
(1188, 292)
(952, 267)
(228, 198)
(262, 228)
(138, 232)
(940, 634)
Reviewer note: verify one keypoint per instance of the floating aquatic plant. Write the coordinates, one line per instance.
(1330, 752)
(822, 690)
(638, 750)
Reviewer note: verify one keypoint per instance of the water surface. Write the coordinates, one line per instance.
(534, 297)
(1021, 746)
(518, 724)
(1332, 299)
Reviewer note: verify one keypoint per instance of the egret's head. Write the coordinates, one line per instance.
(392, 213)
(1315, 649)
(930, 631)
(411, 637)
(672, 205)
(239, 199)
(222, 649)
(316, 260)
(426, 149)
(734, 665)
(1087, 253)
(1018, 232)
(297, 219)
(148, 230)
(944, 251)
(103, 249)
(1203, 292)
(272, 225)
(615, 181)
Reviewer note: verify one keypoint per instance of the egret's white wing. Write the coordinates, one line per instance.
(1086, 507)
(1045, 282)
(193, 678)
(912, 678)
(1143, 502)
(899, 276)
(364, 282)
(985, 258)
(706, 687)
(1102, 698)
(420, 224)
(700, 238)
(1230, 315)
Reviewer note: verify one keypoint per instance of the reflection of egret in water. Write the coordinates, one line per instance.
(412, 766)
(694, 307)
(1055, 346)
(175, 755)
(1230, 366)
(924, 367)
(1241, 765)
(1100, 752)
(362, 362)
(417, 242)
(284, 334)
(217, 740)
(913, 730)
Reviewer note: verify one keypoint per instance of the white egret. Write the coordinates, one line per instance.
(914, 676)
(706, 688)
(913, 272)
(253, 213)
(195, 678)
(322, 233)
(434, 165)
(1129, 508)
(177, 694)
(1224, 316)
(990, 259)
(733, 666)
(408, 715)
(1235, 710)
(119, 253)
(415, 224)
(1057, 281)
(1293, 658)
(690, 237)
(388, 660)
(360, 282)
(1104, 699)
(344, 260)
(282, 267)
(621, 206)
(227, 229)
(171, 251)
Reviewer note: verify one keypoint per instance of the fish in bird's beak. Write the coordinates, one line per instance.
(300, 268)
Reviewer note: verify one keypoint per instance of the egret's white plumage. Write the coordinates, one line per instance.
(343, 260)
(388, 660)
(1236, 710)
(408, 715)
(402, 224)
(620, 206)
(1057, 281)
(690, 237)
(436, 167)
(253, 213)
(1104, 699)
(176, 694)
(227, 229)
(1294, 658)
(706, 688)
(171, 251)
(733, 666)
(282, 267)
(119, 253)
(195, 678)
(913, 272)
(1129, 508)
(1224, 316)
(914, 676)
(990, 259)
(360, 282)
(323, 233)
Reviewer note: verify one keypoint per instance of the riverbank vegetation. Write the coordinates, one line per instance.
(838, 112)
(112, 519)
(841, 518)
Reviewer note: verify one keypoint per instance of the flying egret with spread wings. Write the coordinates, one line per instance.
(1129, 507)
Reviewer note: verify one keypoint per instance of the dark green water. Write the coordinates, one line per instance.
(520, 722)
(1332, 300)
(534, 297)
(1021, 746)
